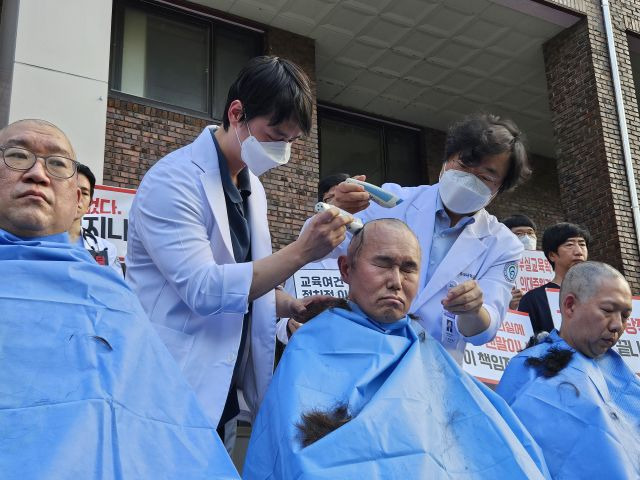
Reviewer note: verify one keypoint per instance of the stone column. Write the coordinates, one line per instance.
(60, 70)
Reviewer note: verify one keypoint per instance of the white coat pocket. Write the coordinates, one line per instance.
(178, 343)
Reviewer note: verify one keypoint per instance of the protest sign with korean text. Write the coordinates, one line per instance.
(319, 282)
(108, 215)
(534, 270)
(487, 362)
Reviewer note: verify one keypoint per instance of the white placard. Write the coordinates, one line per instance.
(534, 270)
(629, 344)
(108, 215)
(553, 299)
(487, 362)
(319, 282)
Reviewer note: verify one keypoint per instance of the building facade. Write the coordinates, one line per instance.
(131, 80)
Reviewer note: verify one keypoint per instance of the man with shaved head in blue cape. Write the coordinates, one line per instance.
(359, 394)
(87, 389)
(573, 391)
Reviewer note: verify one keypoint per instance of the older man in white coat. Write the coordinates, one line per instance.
(470, 260)
(199, 254)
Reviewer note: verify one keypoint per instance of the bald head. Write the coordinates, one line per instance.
(382, 268)
(596, 302)
(17, 129)
(585, 279)
(33, 202)
(377, 227)
(33, 121)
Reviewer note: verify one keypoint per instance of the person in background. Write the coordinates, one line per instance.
(199, 251)
(564, 245)
(573, 392)
(103, 251)
(523, 228)
(470, 259)
(326, 190)
(88, 389)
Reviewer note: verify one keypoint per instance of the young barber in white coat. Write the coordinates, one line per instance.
(217, 315)
(469, 260)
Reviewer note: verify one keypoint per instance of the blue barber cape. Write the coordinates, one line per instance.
(87, 389)
(586, 419)
(416, 413)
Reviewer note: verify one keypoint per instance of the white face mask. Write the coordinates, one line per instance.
(463, 192)
(261, 157)
(529, 241)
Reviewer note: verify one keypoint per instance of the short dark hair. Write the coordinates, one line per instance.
(557, 234)
(330, 181)
(86, 171)
(482, 134)
(518, 220)
(316, 424)
(269, 85)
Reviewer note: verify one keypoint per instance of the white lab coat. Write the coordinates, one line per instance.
(180, 263)
(486, 251)
(289, 287)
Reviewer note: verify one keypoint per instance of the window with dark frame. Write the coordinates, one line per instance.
(177, 59)
(359, 144)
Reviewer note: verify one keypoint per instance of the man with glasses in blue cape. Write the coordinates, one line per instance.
(359, 394)
(573, 391)
(87, 389)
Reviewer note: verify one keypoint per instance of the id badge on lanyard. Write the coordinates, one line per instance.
(100, 256)
(449, 334)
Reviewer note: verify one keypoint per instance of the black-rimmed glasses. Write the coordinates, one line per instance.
(21, 159)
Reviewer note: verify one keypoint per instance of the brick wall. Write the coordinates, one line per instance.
(590, 163)
(138, 135)
(291, 189)
(538, 198)
(625, 17)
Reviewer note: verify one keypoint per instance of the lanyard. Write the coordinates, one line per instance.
(100, 256)
(449, 333)
(89, 238)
